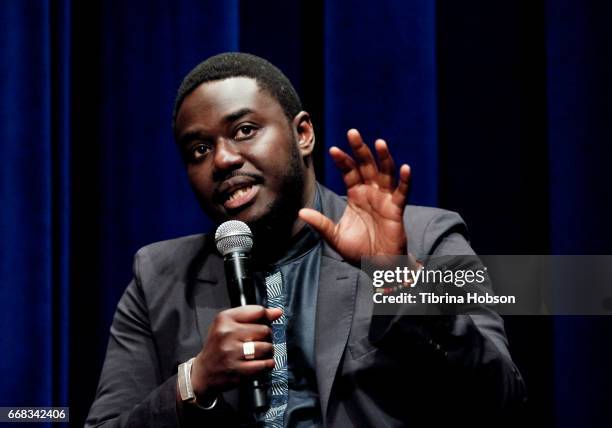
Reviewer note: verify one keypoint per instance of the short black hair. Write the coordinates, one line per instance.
(235, 64)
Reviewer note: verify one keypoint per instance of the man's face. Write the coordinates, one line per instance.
(240, 151)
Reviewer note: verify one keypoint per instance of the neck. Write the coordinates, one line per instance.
(307, 202)
(272, 245)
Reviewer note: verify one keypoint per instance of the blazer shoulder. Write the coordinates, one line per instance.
(182, 244)
(169, 258)
(426, 226)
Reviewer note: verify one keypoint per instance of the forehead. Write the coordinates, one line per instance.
(212, 102)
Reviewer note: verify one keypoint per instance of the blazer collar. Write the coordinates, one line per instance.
(210, 290)
(210, 264)
(332, 206)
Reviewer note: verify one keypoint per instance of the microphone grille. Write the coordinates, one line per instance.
(233, 235)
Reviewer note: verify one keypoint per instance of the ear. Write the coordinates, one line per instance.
(304, 132)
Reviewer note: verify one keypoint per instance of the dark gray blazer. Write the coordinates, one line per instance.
(410, 371)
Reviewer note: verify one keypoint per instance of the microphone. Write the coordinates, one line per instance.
(234, 241)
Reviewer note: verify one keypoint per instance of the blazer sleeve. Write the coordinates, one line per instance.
(131, 391)
(472, 347)
(476, 342)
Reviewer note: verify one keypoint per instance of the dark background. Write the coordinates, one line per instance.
(502, 109)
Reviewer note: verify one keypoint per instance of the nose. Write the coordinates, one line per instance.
(226, 157)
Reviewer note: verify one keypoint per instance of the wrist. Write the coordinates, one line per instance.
(205, 400)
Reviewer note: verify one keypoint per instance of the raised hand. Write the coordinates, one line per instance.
(372, 222)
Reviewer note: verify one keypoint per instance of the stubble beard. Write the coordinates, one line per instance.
(272, 230)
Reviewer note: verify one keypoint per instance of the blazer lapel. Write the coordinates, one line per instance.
(335, 306)
(210, 291)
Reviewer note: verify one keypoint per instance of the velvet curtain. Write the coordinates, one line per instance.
(502, 109)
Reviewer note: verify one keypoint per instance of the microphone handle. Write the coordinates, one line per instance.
(242, 292)
(239, 282)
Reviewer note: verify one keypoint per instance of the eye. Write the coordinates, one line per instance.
(245, 131)
(199, 151)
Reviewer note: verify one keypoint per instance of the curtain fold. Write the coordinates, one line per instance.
(579, 100)
(380, 77)
(33, 255)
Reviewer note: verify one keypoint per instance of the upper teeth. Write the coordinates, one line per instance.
(237, 193)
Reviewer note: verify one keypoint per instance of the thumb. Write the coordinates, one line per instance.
(273, 313)
(323, 225)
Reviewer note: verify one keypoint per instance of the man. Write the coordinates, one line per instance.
(247, 147)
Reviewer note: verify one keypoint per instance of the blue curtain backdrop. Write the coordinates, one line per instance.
(502, 108)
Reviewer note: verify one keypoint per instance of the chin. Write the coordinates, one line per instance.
(250, 215)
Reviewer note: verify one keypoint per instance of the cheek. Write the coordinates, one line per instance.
(272, 147)
(273, 160)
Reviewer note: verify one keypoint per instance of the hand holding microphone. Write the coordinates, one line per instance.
(237, 346)
(222, 365)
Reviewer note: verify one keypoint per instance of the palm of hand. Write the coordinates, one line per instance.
(371, 225)
(372, 221)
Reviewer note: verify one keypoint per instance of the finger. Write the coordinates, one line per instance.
(246, 314)
(347, 166)
(250, 368)
(363, 157)
(263, 350)
(324, 226)
(273, 313)
(248, 332)
(401, 191)
(386, 176)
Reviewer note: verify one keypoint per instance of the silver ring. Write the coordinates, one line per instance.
(248, 350)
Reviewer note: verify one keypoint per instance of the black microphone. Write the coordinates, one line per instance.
(234, 241)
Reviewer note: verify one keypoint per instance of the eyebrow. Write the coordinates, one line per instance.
(232, 117)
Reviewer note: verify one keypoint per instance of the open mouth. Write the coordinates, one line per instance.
(241, 196)
(238, 191)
